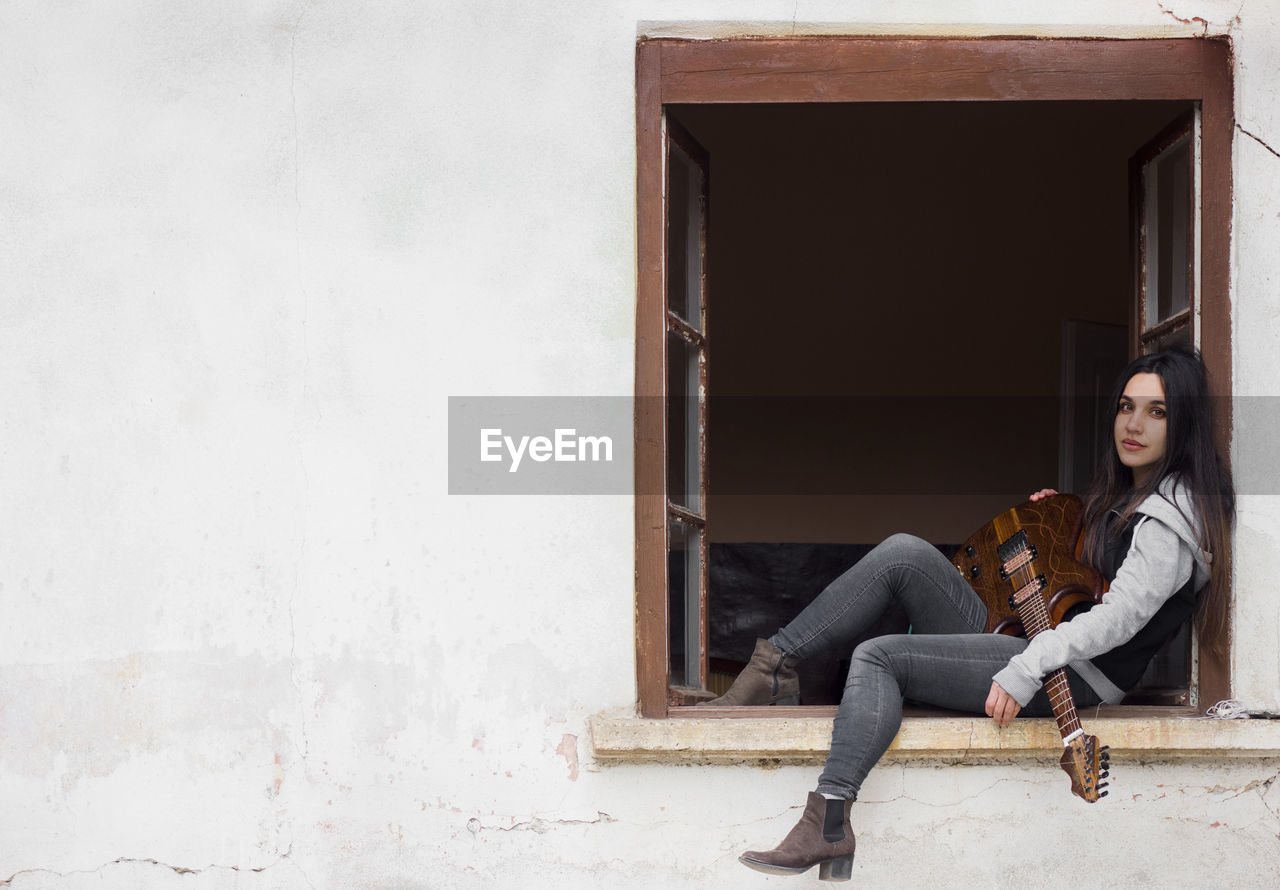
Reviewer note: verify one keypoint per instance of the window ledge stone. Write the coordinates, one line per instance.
(807, 739)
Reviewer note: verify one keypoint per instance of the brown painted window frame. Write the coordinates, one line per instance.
(859, 69)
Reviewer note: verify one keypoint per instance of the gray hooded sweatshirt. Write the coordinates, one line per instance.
(1163, 555)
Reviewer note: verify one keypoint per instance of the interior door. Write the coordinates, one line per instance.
(1092, 355)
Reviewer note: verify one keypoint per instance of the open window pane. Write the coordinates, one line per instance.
(1164, 172)
(1166, 185)
(684, 583)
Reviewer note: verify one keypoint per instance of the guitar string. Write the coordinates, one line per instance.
(1056, 686)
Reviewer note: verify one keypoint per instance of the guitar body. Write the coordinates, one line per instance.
(1052, 527)
(1025, 565)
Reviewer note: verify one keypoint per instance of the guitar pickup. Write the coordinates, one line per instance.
(1018, 560)
(1024, 593)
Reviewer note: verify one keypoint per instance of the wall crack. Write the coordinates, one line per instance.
(128, 860)
(1259, 140)
(1261, 789)
(538, 825)
(962, 800)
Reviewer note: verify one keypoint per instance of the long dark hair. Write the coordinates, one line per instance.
(1191, 460)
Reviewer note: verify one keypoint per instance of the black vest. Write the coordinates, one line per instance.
(1125, 664)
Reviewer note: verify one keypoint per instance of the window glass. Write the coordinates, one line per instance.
(684, 237)
(1167, 226)
(684, 576)
(683, 478)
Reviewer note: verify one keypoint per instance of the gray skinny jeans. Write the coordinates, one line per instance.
(946, 660)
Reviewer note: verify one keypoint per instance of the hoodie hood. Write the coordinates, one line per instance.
(1173, 505)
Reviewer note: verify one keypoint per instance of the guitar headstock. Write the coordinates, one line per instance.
(1087, 765)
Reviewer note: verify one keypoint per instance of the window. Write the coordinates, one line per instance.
(799, 76)
(1163, 177)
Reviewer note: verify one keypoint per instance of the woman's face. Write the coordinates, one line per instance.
(1141, 424)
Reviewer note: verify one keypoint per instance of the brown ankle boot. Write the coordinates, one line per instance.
(822, 837)
(770, 678)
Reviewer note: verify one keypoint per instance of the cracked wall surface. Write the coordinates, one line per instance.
(246, 638)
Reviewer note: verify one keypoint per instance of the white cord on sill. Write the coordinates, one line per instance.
(1233, 709)
(1228, 709)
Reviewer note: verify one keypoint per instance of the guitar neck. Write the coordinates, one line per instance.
(1064, 706)
(1034, 620)
(1032, 554)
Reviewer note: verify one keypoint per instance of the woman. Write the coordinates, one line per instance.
(1158, 512)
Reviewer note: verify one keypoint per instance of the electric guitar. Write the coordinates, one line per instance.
(1025, 566)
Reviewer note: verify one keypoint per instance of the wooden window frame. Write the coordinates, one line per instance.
(861, 69)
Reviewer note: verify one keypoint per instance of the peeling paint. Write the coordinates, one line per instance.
(1194, 20)
(278, 780)
(568, 749)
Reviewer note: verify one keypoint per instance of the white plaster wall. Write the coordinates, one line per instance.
(248, 250)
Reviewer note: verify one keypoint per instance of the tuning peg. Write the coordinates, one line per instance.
(1104, 774)
(1102, 795)
(1104, 749)
(1102, 785)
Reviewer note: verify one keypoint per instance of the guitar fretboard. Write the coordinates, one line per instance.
(1017, 558)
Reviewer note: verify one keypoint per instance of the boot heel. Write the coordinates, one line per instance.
(788, 700)
(840, 869)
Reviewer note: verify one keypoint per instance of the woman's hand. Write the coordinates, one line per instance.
(1044, 493)
(1001, 706)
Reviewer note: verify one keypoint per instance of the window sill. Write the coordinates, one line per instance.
(803, 735)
